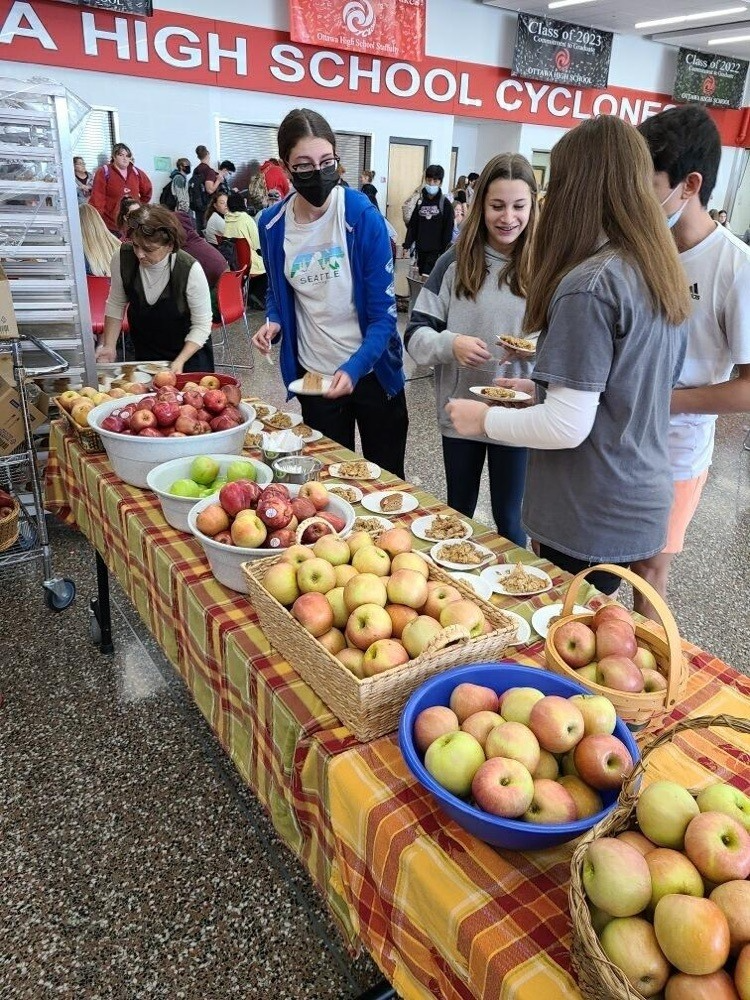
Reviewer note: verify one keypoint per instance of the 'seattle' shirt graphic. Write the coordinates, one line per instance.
(317, 264)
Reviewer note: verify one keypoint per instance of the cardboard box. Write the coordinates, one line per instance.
(8, 325)
(11, 418)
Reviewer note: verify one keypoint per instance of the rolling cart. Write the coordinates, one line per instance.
(19, 473)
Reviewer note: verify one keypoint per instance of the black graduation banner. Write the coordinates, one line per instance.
(560, 52)
(704, 78)
(144, 8)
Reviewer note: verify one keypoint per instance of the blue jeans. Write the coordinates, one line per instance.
(464, 461)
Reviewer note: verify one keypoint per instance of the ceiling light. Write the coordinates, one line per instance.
(692, 17)
(727, 41)
(568, 3)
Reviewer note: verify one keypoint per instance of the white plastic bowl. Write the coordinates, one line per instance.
(133, 457)
(226, 560)
(176, 509)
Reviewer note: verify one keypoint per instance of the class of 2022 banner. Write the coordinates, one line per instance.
(560, 52)
(390, 28)
(710, 79)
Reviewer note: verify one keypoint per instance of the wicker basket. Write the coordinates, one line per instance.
(10, 527)
(598, 978)
(87, 437)
(635, 709)
(371, 707)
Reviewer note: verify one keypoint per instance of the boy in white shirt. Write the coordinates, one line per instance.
(686, 149)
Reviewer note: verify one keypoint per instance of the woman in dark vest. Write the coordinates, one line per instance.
(166, 293)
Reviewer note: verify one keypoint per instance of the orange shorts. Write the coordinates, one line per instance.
(687, 494)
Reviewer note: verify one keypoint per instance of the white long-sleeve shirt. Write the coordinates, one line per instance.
(564, 420)
(155, 278)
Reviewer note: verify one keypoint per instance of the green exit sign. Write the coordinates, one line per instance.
(163, 163)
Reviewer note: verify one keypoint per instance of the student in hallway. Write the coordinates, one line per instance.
(430, 227)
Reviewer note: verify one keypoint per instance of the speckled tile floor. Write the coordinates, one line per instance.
(134, 863)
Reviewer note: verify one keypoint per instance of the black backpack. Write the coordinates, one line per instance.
(197, 195)
(167, 197)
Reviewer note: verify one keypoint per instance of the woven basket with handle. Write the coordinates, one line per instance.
(664, 643)
(87, 437)
(598, 978)
(371, 707)
(10, 527)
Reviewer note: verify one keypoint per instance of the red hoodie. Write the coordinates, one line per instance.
(110, 187)
(276, 177)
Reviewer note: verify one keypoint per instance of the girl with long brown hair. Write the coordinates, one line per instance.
(475, 292)
(609, 296)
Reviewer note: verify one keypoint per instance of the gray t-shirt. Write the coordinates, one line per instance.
(609, 498)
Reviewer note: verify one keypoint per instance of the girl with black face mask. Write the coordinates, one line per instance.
(331, 300)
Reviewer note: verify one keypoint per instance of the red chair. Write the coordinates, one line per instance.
(231, 304)
(244, 256)
(98, 289)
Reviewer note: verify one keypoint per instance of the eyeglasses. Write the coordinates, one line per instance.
(327, 166)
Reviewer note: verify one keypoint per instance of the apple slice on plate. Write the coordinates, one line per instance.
(542, 617)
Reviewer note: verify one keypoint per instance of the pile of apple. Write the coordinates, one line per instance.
(671, 900)
(523, 754)
(253, 517)
(79, 402)
(372, 606)
(197, 408)
(203, 477)
(607, 652)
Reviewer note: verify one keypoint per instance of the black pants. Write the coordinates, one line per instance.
(607, 583)
(383, 423)
(256, 292)
(464, 461)
(426, 260)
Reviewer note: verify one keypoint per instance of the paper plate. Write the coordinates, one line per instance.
(296, 387)
(421, 526)
(480, 587)
(542, 617)
(371, 501)
(518, 397)
(335, 471)
(296, 418)
(312, 436)
(495, 574)
(354, 490)
(516, 350)
(385, 524)
(487, 555)
(523, 629)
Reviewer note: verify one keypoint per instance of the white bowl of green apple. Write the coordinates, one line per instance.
(182, 482)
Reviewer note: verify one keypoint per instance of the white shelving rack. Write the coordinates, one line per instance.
(40, 235)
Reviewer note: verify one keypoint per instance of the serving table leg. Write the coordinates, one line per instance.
(380, 991)
(100, 610)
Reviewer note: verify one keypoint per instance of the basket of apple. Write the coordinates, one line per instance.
(179, 484)
(660, 892)
(247, 521)
(520, 758)
(141, 432)
(75, 406)
(636, 664)
(365, 624)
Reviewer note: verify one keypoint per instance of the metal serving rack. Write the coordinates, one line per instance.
(19, 472)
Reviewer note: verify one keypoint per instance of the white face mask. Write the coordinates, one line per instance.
(674, 218)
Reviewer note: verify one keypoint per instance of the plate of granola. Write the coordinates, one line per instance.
(352, 494)
(519, 580)
(441, 528)
(389, 502)
(543, 617)
(281, 421)
(374, 526)
(308, 434)
(262, 410)
(359, 469)
(461, 555)
(254, 435)
(498, 394)
(480, 587)
(519, 345)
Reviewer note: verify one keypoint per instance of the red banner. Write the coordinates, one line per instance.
(187, 49)
(389, 28)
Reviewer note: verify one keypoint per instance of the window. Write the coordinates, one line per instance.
(95, 137)
(241, 143)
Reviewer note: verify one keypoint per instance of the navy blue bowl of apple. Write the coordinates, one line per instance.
(511, 834)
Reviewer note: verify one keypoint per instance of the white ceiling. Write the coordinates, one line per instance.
(614, 15)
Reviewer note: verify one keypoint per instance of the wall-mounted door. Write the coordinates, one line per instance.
(407, 159)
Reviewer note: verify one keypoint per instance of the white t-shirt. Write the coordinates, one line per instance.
(718, 272)
(316, 265)
(214, 227)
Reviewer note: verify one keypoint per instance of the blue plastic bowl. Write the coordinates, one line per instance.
(512, 834)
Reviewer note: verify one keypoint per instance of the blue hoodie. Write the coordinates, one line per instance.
(371, 259)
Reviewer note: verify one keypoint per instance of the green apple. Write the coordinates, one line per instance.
(186, 488)
(240, 470)
(664, 810)
(453, 760)
(217, 484)
(726, 799)
(204, 470)
(616, 877)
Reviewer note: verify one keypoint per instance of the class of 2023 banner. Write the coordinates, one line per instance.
(560, 52)
(393, 29)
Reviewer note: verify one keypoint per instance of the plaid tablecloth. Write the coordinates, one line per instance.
(443, 914)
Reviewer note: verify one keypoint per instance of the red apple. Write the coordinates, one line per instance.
(551, 803)
(233, 394)
(204, 427)
(274, 513)
(303, 508)
(188, 411)
(437, 720)
(187, 426)
(556, 723)
(191, 397)
(141, 420)
(602, 761)
(147, 403)
(718, 846)
(314, 613)
(166, 413)
(115, 424)
(222, 423)
(239, 495)
(503, 787)
(611, 612)
(576, 643)
(281, 539)
(165, 378)
(467, 698)
(316, 493)
(400, 616)
(214, 401)
(620, 674)
(211, 520)
(337, 523)
(151, 432)
(716, 986)
(615, 638)
(225, 537)
(309, 531)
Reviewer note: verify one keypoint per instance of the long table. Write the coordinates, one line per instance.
(443, 914)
